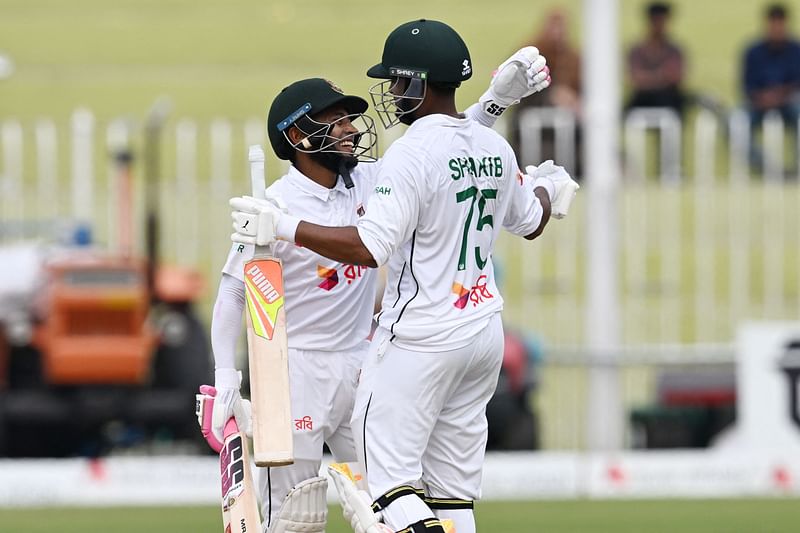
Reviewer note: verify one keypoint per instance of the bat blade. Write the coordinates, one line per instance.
(239, 501)
(267, 346)
(269, 362)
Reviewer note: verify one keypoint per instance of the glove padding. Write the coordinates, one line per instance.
(521, 75)
(255, 220)
(560, 186)
(228, 403)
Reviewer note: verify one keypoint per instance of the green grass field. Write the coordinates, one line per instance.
(700, 516)
(230, 58)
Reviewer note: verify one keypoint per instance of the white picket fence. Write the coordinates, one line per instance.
(703, 245)
(700, 248)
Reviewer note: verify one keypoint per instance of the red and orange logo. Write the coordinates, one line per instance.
(330, 277)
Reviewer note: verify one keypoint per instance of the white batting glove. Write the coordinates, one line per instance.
(261, 222)
(558, 183)
(228, 403)
(521, 75)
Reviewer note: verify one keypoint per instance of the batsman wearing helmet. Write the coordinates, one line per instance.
(329, 291)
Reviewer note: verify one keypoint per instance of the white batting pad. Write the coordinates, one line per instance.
(305, 509)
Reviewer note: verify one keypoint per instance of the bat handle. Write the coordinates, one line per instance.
(256, 157)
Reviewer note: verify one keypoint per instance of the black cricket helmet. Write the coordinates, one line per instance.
(416, 54)
(298, 104)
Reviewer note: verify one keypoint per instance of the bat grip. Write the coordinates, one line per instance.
(256, 157)
(230, 428)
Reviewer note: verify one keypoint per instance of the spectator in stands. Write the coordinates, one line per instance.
(565, 68)
(564, 62)
(656, 65)
(771, 76)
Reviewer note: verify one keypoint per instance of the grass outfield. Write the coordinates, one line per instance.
(229, 58)
(724, 516)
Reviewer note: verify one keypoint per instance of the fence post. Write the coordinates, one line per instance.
(772, 207)
(220, 182)
(704, 176)
(533, 121)
(738, 216)
(121, 198)
(83, 167)
(11, 189)
(46, 168)
(187, 191)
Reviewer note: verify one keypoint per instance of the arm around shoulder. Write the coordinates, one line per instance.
(342, 244)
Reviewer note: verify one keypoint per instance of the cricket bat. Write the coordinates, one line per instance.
(239, 501)
(267, 345)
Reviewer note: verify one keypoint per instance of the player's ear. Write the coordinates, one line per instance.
(296, 136)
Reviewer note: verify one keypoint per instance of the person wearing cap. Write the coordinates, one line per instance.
(441, 193)
(330, 144)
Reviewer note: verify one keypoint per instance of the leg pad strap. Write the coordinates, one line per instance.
(431, 525)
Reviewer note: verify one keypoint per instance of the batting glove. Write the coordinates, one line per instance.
(521, 75)
(204, 408)
(559, 185)
(228, 403)
(260, 222)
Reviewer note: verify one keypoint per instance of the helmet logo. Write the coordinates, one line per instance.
(408, 73)
(415, 31)
(334, 87)
(291, 119)
(467, 68)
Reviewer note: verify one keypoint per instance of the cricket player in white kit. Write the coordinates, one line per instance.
(328, 302)
(443, 192)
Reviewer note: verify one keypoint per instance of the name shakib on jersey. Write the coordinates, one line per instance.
(489, 166)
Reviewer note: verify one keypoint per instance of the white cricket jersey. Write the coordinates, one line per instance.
(329, 304)
(443, 191)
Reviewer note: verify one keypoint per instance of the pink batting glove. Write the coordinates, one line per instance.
(204, 406)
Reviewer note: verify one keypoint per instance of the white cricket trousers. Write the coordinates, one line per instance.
(322, 389)
(420, 420)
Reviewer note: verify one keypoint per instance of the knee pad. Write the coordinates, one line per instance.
(305, 508)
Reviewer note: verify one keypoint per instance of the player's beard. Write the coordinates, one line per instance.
(406, 117)
(336, 162)
(408, 104)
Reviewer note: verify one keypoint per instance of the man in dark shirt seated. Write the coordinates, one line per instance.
(656, 65)
(772, 77)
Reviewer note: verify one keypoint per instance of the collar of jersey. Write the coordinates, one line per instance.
(439, 119)
(309, 186)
